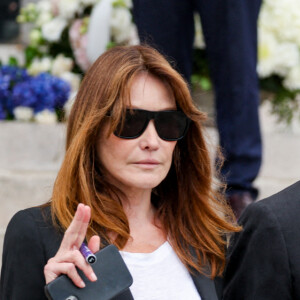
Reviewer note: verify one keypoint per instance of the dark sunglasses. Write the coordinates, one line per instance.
(170, 125)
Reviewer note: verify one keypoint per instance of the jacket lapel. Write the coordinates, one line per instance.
(205, 286)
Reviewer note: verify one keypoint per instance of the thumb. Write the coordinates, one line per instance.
(94, 243)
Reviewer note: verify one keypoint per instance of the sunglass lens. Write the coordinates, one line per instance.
(171, 125)
(134, 124)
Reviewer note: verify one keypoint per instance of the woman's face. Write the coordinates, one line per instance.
(141, 163)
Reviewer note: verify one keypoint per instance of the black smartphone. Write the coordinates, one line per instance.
(113, 276)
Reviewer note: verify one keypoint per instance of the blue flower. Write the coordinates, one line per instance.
(23, 95)
(62, 90)
(9, 76)
(41, 92)
(17, 88)
(4, 95)
(14, 74)
(2, 113)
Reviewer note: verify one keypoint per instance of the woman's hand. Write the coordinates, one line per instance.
(68, 255)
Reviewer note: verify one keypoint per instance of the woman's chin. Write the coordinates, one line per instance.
(142, 183)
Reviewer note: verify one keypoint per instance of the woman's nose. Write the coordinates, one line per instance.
(150, 139)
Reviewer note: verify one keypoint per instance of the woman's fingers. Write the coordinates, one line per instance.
(68, 256)
(84, 226)
(52, 271)
(75, 234)
(77, 258)
(63, 265)
(94, 243)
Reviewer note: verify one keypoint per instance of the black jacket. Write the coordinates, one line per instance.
(264, 263)
(31, 240)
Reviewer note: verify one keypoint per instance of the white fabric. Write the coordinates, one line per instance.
(159, 275)
(99, 29)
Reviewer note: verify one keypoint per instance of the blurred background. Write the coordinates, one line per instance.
(45, 48)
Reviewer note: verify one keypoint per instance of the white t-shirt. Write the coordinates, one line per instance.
(159, 275)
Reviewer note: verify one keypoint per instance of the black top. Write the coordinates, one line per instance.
(31, 240)
(264, 263)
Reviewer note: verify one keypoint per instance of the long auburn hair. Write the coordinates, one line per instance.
(193, 214)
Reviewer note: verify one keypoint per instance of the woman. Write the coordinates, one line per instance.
(137, 174)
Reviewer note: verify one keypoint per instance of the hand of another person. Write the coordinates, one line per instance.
(68, 255)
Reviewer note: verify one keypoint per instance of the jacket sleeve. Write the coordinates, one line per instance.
(23, 260)
(258, 267)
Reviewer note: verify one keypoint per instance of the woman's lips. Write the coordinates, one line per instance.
(147, 163)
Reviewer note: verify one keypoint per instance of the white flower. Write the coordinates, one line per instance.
(44, 6)
(30, 7)
(128, 3)
(23, 113)
(45, 14)
(35, 36)
(292, 80)
(284, 19)
(73, 79)
(69, 104)
(120, 24)
(266, 53)
(61, 64)
(68, 8)
(46, 116)
(275, 57)
(199, 40)
(52, 30)
(133, 38)
(43, 18)
(40, 65)
(287, 56)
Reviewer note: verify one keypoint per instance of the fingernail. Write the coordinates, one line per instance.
(82, 284)
(93, 277)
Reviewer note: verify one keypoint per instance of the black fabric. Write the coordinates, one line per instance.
(30, 241)
(206, 287)
(264, 261)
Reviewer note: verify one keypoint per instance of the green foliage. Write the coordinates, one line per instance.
(201, 81)
(284, 103)
(200, 77)
(63, 46)
(110, 45)
(12, 61)
(61, 115)
(119, 3)
(30, 53)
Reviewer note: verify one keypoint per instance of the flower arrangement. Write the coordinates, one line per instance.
(25, 97)
(62, 27)
(57, 54)
(278, 57)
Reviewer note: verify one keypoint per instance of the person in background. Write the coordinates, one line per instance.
(264, 260)
(136, 174)
(9, 28)
(230, 32)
